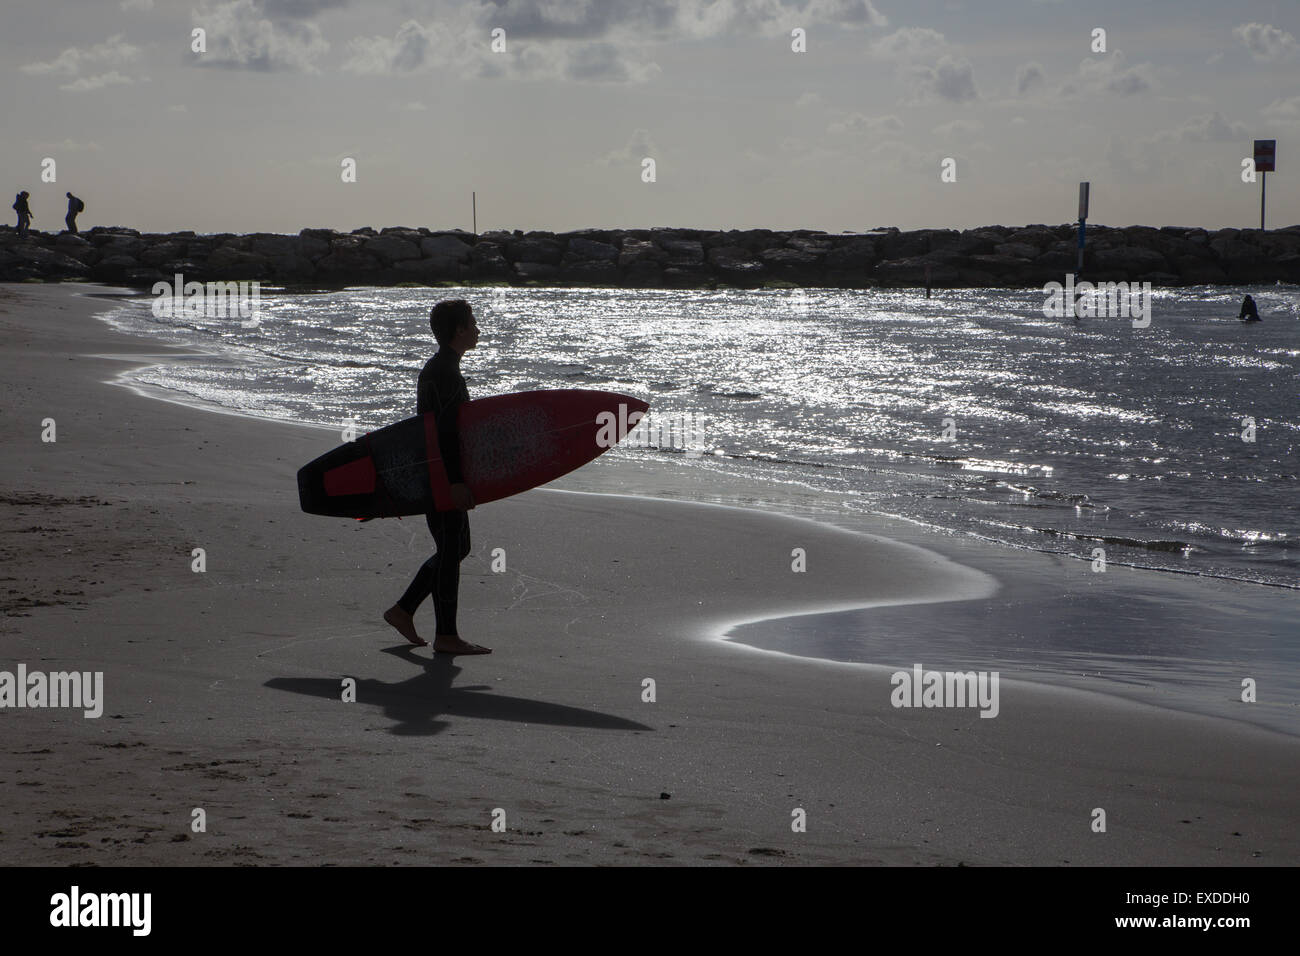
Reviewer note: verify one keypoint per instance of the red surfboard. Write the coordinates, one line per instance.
(508, 444)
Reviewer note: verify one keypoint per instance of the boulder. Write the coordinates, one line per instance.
(589, 249)
(314, 246)
(912, 271)
(272, 246)
(853, 255)
(678, 277)
(113, 268)
(230, 262)
(635, 250)
(735, 262)
(162, 252)
(142, 278)
(903, 245)
(291, 267)
(1005, 267)
(122, 246)
(432, 269)
(1194, 270)
(1128, 261)
(345, 265)
(488, 262)
(446, 247)
(602, 271)
(814, 245)
(537, 270)
(389, 249)
(791, 263)
(1019, 250)
(535, 250)
(643, 272)
(47, 263)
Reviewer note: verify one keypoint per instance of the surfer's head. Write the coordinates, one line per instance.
(453, 325)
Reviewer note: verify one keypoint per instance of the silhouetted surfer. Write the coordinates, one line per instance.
(1248, 311)
(441, 390)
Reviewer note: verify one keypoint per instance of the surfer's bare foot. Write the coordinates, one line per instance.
(452, 644)
(404, 624)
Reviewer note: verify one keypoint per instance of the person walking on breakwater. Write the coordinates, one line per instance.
(75, 206)
(441, 390)
(1249, 313)
(24, 213)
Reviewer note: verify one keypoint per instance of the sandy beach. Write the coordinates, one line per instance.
(223, 689)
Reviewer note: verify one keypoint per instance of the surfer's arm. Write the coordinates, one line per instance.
(449, 442)
(441, 394)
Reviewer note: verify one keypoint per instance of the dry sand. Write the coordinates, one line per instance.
(223, 688)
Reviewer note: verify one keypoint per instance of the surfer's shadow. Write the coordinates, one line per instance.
(416, 703)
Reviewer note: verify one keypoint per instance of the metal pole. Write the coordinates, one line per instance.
(1263, 191)
(1078, 269)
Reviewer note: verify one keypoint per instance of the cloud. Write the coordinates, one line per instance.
(952, 79)
(869, 125)
(1210, 128)
(70, 146)
(411, 107)
(638, 147)
(808, 101)
(261, 35)
(114, 51)
(579, 40)
(1287, 109)
(710, 18)
(1266, 43)
(85, 84)
(909, 43)
(957, 129)
(407, 51)
(605, 62)
(299, 9)
(417, 48)
(1110, 75)
(1030, 78)
(142, 5)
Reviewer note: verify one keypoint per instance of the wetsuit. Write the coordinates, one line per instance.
(441, 390)
(1249, 313)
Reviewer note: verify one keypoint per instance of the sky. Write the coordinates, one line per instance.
(838, 115)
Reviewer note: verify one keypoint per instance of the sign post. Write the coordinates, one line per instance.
(1265, 159)
(1084, 189)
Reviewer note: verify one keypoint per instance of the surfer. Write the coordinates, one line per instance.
(1248, 311)
(441, 390)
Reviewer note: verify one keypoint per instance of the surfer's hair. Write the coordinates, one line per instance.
(448, 318)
